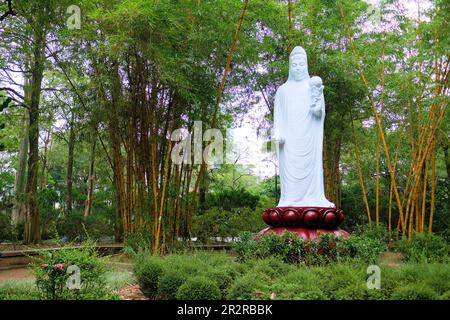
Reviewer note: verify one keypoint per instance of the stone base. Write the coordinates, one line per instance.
(303, 232)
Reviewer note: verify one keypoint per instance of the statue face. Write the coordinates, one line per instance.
(298, 68)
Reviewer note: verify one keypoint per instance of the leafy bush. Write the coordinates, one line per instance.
(138, 241)
(264, 278)
(6, 229)
(169, 283)
(327, 248)
(414, 292)
(248, 287)
(435, 275)
(148, 270)
(75, 226)
(445, 296)
(218, 222)
(51, 270)
(376, 232)
(223, 278)
(424, 248)
(365, 248)
(198, 288)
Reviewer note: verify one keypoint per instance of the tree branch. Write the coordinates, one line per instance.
(10, 11)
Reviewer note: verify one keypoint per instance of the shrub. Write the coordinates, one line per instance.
(310, 294)
(293, 249)
(248, 287)
(434, 275)
(223, 278)
(372, 231)
(245, 246)
(52, 274)
(416, 291)
(335, 277)
(424, 248)
(169, 283)
(438, 277)
(445, 296)
(271, 268)
(299, 284)
(198, 288)
(6, 229)
(354, 291)
(148, 270)
(364, 248)
(138, 241)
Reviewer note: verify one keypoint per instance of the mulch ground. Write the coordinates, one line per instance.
(131, 292)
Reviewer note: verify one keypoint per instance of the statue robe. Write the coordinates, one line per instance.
(300, 156)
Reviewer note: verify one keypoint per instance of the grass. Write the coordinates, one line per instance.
(27, 290)
(18, 290)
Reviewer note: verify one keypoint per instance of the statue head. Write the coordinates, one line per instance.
(298, 64)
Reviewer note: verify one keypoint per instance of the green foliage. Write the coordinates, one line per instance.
(229, 199)
(198, 288)
(361, 247)
(6, 229)
(218, 222)
(161, 277)
(5, 101)
(414, 292)
(116, 280)
(372, 231)
(290, 248)
(138, 241)
(218, 276)
(424, 248)
(223, 277)
(148, 270)
(169, 283)
(248, 287)
(50, 270)
(19, 290)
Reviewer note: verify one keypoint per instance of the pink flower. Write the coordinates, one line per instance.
(59, 266)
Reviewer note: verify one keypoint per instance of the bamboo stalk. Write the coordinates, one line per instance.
(378, 122)
(360, 175)
(219, 98)
(433, 190)
(424, 197)
(392, 186)
(377, 182)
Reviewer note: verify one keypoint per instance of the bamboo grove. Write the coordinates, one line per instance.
(124, 81)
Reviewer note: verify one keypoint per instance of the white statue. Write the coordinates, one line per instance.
(298, 133)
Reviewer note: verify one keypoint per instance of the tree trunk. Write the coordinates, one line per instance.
(447, 165)
(19, 208)
(70, 155)
(88, 205)
(43, 178)
(32, 224)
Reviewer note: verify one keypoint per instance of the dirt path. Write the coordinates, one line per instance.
(23, 273)
(15, 274)
(391, 259)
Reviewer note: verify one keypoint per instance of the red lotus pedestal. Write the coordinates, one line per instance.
(307, 222)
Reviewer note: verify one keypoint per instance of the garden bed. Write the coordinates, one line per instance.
(219, 276)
